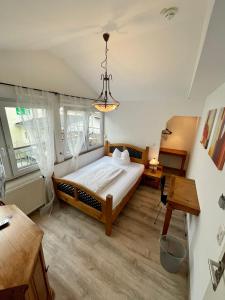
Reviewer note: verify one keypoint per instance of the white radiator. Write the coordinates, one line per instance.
(28, 195)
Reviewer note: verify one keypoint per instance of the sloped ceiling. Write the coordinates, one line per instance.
(211, 67)
(150, 57)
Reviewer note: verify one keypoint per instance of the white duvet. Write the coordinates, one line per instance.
(99, 177)
(118, 187)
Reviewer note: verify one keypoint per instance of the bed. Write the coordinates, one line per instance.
(105, 204)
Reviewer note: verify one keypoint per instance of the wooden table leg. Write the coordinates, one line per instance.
(168, 215)
(182, 166)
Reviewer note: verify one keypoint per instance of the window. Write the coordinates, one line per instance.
(95, 131)
(23, 151)
(73, 120)
(19, 154)
(17, 146)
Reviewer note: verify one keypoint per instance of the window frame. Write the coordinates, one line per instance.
(8, 143)
(87, 148)
(102, 130)
(4, 154)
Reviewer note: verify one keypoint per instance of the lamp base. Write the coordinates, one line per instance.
(153, 169)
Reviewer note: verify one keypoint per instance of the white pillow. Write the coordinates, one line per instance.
(125, 157)
(121, 158)
(116, 153)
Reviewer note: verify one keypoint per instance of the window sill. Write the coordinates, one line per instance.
(92, 149)
(17, 182)
(36, 173)
(82, 153)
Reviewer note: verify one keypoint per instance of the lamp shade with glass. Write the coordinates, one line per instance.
(106, 102)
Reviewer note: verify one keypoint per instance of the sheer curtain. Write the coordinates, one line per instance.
(39, 125)
(2, 180)
(76, 114)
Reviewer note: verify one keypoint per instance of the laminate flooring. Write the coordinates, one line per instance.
(87, 264)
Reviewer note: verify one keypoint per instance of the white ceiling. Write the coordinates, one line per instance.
(150, 57)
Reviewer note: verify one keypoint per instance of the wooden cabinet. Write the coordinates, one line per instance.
(153, 178)
(177, 153)
(23, 274)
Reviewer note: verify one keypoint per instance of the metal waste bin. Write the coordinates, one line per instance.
(172, 253)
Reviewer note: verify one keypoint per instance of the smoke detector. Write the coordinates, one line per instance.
(169, 13)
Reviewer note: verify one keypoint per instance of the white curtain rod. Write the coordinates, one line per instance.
(56, 93)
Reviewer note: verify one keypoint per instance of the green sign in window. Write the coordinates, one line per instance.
(20, 111)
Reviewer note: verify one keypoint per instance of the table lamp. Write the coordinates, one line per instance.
(153, 164)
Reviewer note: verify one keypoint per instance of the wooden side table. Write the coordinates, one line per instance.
(153, 178)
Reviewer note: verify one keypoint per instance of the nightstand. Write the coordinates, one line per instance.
(153, 178)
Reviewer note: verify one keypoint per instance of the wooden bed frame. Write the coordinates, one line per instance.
(92, 204)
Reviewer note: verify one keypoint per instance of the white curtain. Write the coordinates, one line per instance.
(76, 128)
(39, 125)
(2, 180)
(76, 114)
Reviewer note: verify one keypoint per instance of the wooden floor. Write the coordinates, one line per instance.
(86, 264)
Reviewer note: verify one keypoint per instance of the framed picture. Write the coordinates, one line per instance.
(217, 147)
(208, 128)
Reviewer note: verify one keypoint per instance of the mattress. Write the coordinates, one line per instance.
(120, 186)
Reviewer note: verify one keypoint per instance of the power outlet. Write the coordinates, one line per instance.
(220, 234)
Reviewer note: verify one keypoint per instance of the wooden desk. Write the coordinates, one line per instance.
(182, 196)
(178, 153)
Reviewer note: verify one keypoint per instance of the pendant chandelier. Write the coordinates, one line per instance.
(105, 101)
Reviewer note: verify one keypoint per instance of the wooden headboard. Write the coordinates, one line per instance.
(138, 155)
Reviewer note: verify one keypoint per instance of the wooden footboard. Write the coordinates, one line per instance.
(85, 200)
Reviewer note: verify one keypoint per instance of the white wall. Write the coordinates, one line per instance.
(141, 123)
(40, 69)
(183, 135)
(210, 184)
(220, 291)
